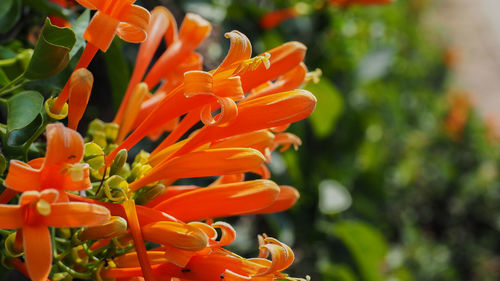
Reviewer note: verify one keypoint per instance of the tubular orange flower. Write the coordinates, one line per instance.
(37, 211)
(161, 21)
(256, 114)
(210, 162)
(60, 169)
(80, 87)
(287, 197)
(222, 200)
(282, 59)
(120, 18)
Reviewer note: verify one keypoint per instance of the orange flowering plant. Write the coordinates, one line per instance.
(76, 207)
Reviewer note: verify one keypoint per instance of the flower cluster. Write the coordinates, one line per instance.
(83, 212)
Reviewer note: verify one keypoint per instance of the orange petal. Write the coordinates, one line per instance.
(282, 256)
(286, 199)
(171, 192)
(37, 251)
(286, 140)
(63, 145)
(239, 50)
(81, 82)
(228, 112)
(260, 140)
(76, 214)
(133, 24)
(132, 110)
(22, 177)
(289, 81)
(169, 108)
(221, 201)
(256, 114)
(283, 58)
(210, 162)
(212, 267)
(193, 31)
(228, 233)
(156, 28)
(11, 217)
(101, 31)
(175, 234)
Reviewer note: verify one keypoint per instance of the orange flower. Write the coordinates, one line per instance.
(60, 169)
(222, 200)
(118, 17)
(458, 115)
(193, 31)
(276, 17)
(217, 263)
(38, 211)
(201, 89)
(80, 87)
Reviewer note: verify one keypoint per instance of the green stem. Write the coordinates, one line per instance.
(13, 88)
(35, 136)
(5, 232)
(11, 83)
(73, 272)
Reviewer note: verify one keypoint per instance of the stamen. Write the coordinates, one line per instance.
(77, 171)
(253, 63)
(313, 76)
(43, 207)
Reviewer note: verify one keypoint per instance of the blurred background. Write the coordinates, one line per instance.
(398, 171)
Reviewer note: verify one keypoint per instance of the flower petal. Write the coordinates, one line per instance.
(286, 199)
(158, 24)
(37, 251)
(283, 58)
(175, 234)
(221, 201)
(240, 49)
(76, 214)
(64, 145)
(210, 162)
(101, 31)
(22, 177)
(11, 217)
(80, 87)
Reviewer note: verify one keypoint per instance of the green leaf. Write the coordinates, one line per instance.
(10, 12)
(79, 27)
(118, 70)
(17, 138)
(367, 246)
(23, 108)
(329, 107)
(4, 80)
(51, 52)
